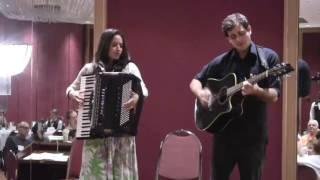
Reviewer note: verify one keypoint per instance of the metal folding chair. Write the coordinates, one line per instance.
(305, 173)
(180, 156)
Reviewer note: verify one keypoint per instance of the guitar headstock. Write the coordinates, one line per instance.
(281, 69)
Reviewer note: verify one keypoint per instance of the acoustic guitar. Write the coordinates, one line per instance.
(225, 102)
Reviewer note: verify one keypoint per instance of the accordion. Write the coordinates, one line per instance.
(102, 114)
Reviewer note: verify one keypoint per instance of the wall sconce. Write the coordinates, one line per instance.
(13, 60)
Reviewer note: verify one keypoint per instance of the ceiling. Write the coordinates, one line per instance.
(68, 11)
(309, 13)
(81, 11)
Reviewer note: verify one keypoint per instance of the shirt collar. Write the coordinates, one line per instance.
(101, 66)
(253, 48)
(252, 51)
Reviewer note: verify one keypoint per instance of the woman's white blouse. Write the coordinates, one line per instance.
(90, 67)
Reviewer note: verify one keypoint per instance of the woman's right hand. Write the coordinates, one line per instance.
(77, 96)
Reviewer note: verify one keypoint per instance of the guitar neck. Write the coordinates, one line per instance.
(254, 79)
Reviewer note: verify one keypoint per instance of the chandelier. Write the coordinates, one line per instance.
(51, 11)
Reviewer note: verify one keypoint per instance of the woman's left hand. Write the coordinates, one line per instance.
(132, 102)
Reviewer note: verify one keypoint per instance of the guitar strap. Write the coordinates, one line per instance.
(262, 58)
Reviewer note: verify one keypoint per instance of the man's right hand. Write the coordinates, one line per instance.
(204, 97)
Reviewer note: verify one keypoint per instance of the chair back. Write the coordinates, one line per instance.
(180, 156)
(11, 163)
(306, 173)
(75, 158)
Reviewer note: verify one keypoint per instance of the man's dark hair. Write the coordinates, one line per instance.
(233, 20)
(304, 78)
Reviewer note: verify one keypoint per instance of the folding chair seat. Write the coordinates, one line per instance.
(180, 156)
(305, 173)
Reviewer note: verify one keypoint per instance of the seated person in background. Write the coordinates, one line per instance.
(19, 141)
(315, 109)
(312, 160)
(307, 140)
(38, 130)
(69, 131)
(3, 120)
(304, 79)
(55, 120)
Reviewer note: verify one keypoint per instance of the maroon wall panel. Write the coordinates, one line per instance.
(17, 32)
(311, 54)
(58, 46)
(170, 41)
(58, 51)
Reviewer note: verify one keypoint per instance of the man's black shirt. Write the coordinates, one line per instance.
(251, 127)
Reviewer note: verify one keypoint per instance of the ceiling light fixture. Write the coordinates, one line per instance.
(51, 11)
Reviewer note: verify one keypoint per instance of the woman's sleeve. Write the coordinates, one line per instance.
(75, 85)
(135, 71)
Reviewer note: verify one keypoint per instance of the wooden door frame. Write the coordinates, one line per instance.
(289, 91)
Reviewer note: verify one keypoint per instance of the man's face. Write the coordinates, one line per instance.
(23, 130)
(239, 37)
(313, 125)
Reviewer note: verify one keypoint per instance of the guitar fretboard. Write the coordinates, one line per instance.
(234, 89)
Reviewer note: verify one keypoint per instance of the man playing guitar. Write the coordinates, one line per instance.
(243, 140)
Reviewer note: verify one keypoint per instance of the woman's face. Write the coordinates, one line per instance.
(116, 47)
